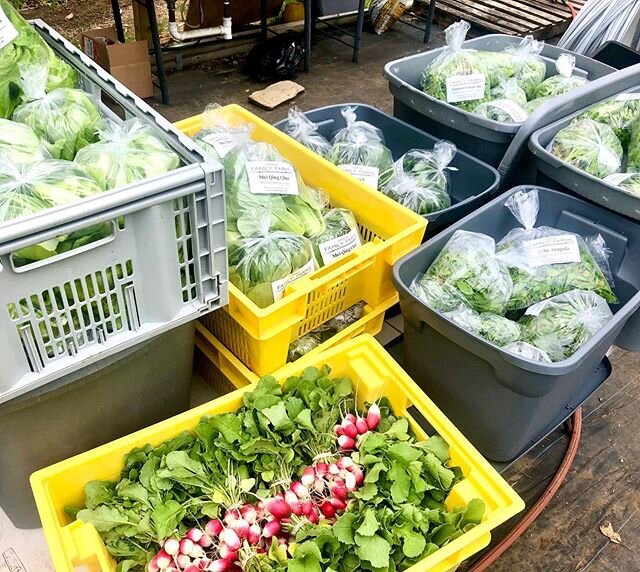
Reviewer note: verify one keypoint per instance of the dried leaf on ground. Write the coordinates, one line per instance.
(611, 534)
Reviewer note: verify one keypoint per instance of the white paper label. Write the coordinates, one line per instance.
(278, 287)
(512, 109)
(368, 175)
(272, 178)
(618, 178)
(552, 250)
(7, 32)
(221, 142)
(627, 96)
(465, 87)
(337, 247)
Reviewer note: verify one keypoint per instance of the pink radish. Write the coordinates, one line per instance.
(196, 551)
(205, 541)
(338, 430)
(240, 527)
(255, 533)
(346, 443)
(227, 554)
(249, 513)
(307, 507)
(163, 560)
(194, 534)
(339, 492)
(220, 565)
(350, 430)
(272, 528)
(213, 527)
(359, 474)
(279, 508)
(322, 469)
(313, 517)
(319, 485)
(171, 546)
(230, 538)
(192, 568)
(345, 463)
(350, 417)
(186, 546)
(308, 476)
(362, 426)
(350, 482)
(338, 504)
(373, 416)
(328, 510)
(153, 565)
(333, 469)
(299, 489)
(183, 561)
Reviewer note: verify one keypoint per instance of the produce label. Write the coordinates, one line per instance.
(272, 178)
(627, 96)
(511, 108)
(368, 175)
(465, 87)
(552, 250)
(221, 142)
(337, 247)
(7, 32)
(278, 287)
(618, 178)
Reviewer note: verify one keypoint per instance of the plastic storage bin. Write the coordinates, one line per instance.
(503, 403)
(333, 7)
(260, 337)
(472, 184)
(76, 544)
(164, 264)
(488, 140)
(92, 406)
(617, 55)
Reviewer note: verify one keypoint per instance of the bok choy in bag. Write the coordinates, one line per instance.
(340, 236)
(219, 135)
(305, 131)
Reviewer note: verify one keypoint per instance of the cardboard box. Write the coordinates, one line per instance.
(128, 63)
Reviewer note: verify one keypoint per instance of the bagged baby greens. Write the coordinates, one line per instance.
(19, 144)
(561, 325)
(305, 131)
(627, 181)
(469, 264)
(544, 261)
(633, 156)
(442, 297)
(66, 118)
(340, 236)
(618, 112)
(527, 351)
(421, 181)
(126, 153)
(508, 88)
(457, 76)
(264, 261)
(495, 329)
(503, 110)
(590, 146)
(564, 81)
(530, 68)
(219, 134)
(359, 150)
(533, 105)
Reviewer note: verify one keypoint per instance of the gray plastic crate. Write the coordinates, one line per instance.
(333, 7)
(163, 265)
(483, 138)
(472, 184)
(94, 405)
(504, 403)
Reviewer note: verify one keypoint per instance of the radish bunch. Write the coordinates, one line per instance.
(352, 428)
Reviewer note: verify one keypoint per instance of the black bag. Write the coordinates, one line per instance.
(277, 58)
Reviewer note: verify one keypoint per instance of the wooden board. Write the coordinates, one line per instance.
(542, 18)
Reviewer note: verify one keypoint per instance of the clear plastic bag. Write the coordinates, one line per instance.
(544, 261)
(66, 118)
(421, 181)
(442, 297)
(509, 89)
(627, 181)
(530, 67)
(469, 264)
(263, 263)
(495, 329)
(19, 144)
(305, 131)
(457, 76)
(527, 351)
(561, 325)
(564, 81)
(633, 155)
(502, 110)
(589, 146)
(533, 105)
(126, 153)
(601, 254)
(618, 112)
(359, 150)
(219, 135)
(340, 236)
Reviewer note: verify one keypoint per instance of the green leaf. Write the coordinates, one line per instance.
(373, 549)
(343, 528)
(401, 483)
(369, 525)
(304, 419)
(369, 491)
(278, 417)
(98, 492)
(134, 491)
(436, 445)
(404, 453)
(413, 545)
(104, 518)
(399, 430)
(229, 425)
(166, 518)
(307, 558)
(473, 512)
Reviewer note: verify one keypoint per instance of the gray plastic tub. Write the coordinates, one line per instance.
(472, 185)
(97, 404)
(483, 138)
(333, 7)
(504, 403)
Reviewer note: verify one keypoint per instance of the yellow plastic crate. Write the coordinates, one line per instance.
(74, 544)
(260, 337)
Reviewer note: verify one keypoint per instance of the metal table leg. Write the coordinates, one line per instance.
(263, 19)
(431, 13)
(117, 19)
(157, 50)
(307, 34)
(358, 38)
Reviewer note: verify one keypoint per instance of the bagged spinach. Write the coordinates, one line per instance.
(340, 236)
(442, 297)
(561, 325)
(544, 262)
(527, 351)
(589, 146)
(421, 181)
(359, 150)
(530, 68)
(618, 112)
(219, 134)
(495, 329)
(564, 81)
(468, 263)
(305, 131)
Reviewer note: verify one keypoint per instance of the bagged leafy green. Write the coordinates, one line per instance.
(126, 153)
(564, 81)
(26, 48)
(19, 144)
(544, 261)
(66, 118)
(265, 261)
(530, 68)
(442, 297)
(496, 65)
(527, 351)
(495, 329)
(359, 150)
(508, 88)
(503, 110)
(219, 135)
(618, 112)
(601, 254)
(590, 146)
(457, 76)
(259, 179)
(421, 181)
(469, 264)
(626, 181)
(340, 236)
(533, 105)
(561, 325)
(633, 155)
(305, 131)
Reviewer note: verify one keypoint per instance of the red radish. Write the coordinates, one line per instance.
(230, 538)
(313, 517)
(203, 564)
(272, 528)
(300, 490)
(338, 481)
(350, 430)
(359, 474)
(333, 469)
(240, 527)
(255, 533)
(328, 510)
(227, 554)
(220, 565)
(186, 546)
(183, 561)
(338, 504)
(339, 492)
(205, 541)
(194, 534)
(282, 541)
(153, 565)
(337, 429)
(322, 469)
(373, 416)
(319, 485)
(249, 513)
(346, 443)
(308, 476)
(192, 568)
(307, 507)
(171, 546)
(345, 463)
(279, 508)
(196, 551)
(163, 560)
(361, 426)
(213, 527)
(350, 417)
(350, 482)
(290, 497)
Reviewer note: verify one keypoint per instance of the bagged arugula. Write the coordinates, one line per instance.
(528, 351)
(530, 68)
(601, 254)
(469, 264)
(19, 144)
(495, 329)
(503, 110)
(533, 105)
(359, 150)
(564, 81)
(421, 181)
(126, 153)
(305, 131)
(619, 113)
(340, 236)
(544, 261)
(441, 297)
(508, 88)
(219, 135)
(66, 118)
(561, 325)
(633, 156)
(590, 146)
